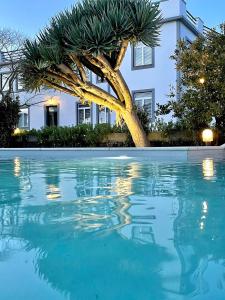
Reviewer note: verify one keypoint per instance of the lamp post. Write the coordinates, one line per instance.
(207, 136)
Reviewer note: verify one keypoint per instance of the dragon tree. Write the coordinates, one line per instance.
(93, 35)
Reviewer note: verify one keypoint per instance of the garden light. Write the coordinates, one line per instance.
(202, 80)
(207, 136)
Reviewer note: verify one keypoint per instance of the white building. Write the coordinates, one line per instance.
(150, 73)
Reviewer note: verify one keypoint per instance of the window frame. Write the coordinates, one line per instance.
(152, 119)
(99, 79)
(28, 118)
(141, 67)
(1, 78)
(45, 114)
(84, 108)
(17, 85)
(106, 112)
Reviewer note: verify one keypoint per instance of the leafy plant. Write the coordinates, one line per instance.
(201, 88)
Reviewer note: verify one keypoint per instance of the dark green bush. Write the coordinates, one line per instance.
(76, 136)
(9, 116)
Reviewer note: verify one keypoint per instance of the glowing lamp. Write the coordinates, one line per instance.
(202, 80)
(52, 101)
(207, 136)
(17, 131)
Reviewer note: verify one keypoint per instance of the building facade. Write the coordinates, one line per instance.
(149, 73)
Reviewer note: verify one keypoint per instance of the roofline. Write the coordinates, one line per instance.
(183, 20)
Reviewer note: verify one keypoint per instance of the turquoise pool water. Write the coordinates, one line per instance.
(112, 229)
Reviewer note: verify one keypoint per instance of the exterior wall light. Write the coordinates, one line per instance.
(17, 131)
(52, 101)
(207, 136)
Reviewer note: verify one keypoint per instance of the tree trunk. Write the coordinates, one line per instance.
(137, 132)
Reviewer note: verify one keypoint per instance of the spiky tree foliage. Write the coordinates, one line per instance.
(94, 35)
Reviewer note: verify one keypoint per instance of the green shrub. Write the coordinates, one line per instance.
(75, 136)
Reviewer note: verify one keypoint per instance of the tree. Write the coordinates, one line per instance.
(10, 48)
(93, 35)
(11, 43)
(201, 87)
(9, 116)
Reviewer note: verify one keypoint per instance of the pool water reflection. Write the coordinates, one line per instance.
(112, 229)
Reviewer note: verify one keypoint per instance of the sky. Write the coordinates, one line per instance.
(29, 16)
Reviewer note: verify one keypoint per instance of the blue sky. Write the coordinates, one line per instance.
(29, 16)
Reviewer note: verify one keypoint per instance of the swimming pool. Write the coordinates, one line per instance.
(112, 228)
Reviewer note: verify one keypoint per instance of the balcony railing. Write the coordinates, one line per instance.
(191, 18)
(10, 56)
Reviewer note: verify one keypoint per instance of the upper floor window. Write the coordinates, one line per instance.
(5, 78)
(88, 74)
(142, 56)
(84, 114)
(8, 84)
(23, 118)
(100, 79)
(19, 84)
(145, 101)
(52, 115)
(103, 115)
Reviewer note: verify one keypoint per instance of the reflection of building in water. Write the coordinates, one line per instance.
(151, 205)
(111, 196)
(22, 170)
(127, 200)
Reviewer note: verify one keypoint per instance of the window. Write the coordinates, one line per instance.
(100, 79)
(5, 82)
(19, 84)
(142, 56)
(52, 115)
(88, 74)
(23, 118)
(144, 100)
(103, 115)
(84, 114)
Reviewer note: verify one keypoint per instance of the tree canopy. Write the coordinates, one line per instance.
(91, 27)
(201, 88)
(10, 45)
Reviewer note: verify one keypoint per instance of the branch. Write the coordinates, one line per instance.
(68, 71)
(80, 67)
(60, 88)
(114, 78)
(89, 96)
(80, 87)
(98, 92)
(101, 101)
(26, 102)
(121, 55)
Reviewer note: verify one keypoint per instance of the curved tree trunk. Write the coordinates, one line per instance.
(137, 132)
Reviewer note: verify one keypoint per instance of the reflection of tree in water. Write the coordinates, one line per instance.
(70, 253)
(88, 267)
(199, 229)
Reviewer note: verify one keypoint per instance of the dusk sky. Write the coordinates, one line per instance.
(30, 16)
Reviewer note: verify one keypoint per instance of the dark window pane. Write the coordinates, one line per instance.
(52, 116)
